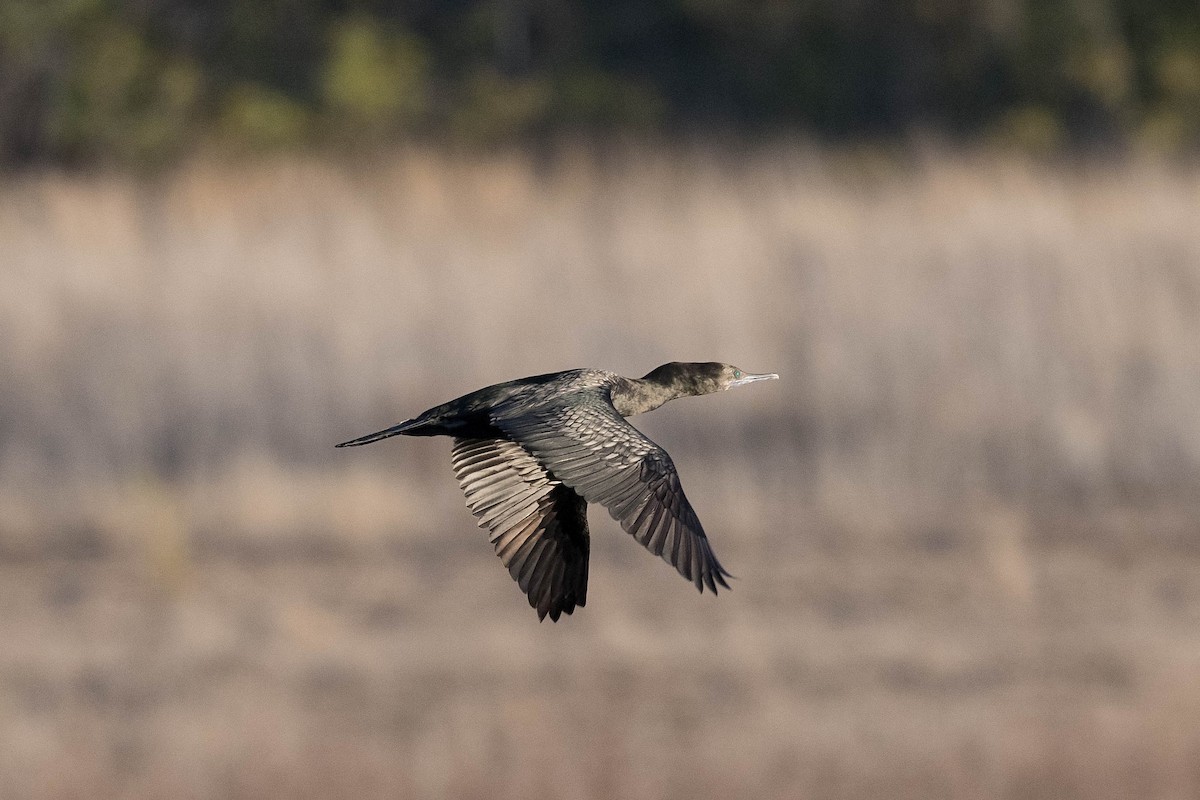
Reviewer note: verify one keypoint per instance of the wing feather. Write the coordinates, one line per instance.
(537, 524)
(583, 442)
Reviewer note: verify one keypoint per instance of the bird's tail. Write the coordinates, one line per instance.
(404, 427)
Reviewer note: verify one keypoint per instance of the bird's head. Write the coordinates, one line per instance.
(704, 377)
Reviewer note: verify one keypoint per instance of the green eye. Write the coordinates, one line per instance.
(737, 373)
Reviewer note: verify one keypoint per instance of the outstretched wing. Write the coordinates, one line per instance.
(538, 525)
(588, 446)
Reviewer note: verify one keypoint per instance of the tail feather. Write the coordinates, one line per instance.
(395, 430)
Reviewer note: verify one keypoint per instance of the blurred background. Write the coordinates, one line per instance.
(965, 522)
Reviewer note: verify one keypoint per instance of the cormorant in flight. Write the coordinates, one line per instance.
(530, 454)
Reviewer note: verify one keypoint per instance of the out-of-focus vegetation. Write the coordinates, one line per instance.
(963, 522)
(139, 82)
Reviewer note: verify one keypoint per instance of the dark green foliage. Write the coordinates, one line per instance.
(85, 81)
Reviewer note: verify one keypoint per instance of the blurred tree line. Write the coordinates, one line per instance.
(141, 81)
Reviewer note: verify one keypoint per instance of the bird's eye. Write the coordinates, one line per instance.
(737, 373)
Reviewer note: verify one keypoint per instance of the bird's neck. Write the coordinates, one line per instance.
(638, 395)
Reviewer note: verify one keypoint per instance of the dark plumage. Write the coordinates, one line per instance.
(530, 454)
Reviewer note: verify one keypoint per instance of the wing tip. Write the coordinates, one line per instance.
(713, 577)
(554, 611)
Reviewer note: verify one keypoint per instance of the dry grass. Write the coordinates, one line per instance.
(964, 523)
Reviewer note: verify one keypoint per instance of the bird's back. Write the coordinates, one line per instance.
(471, 414)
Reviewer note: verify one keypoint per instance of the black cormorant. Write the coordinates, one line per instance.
(530, 454)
